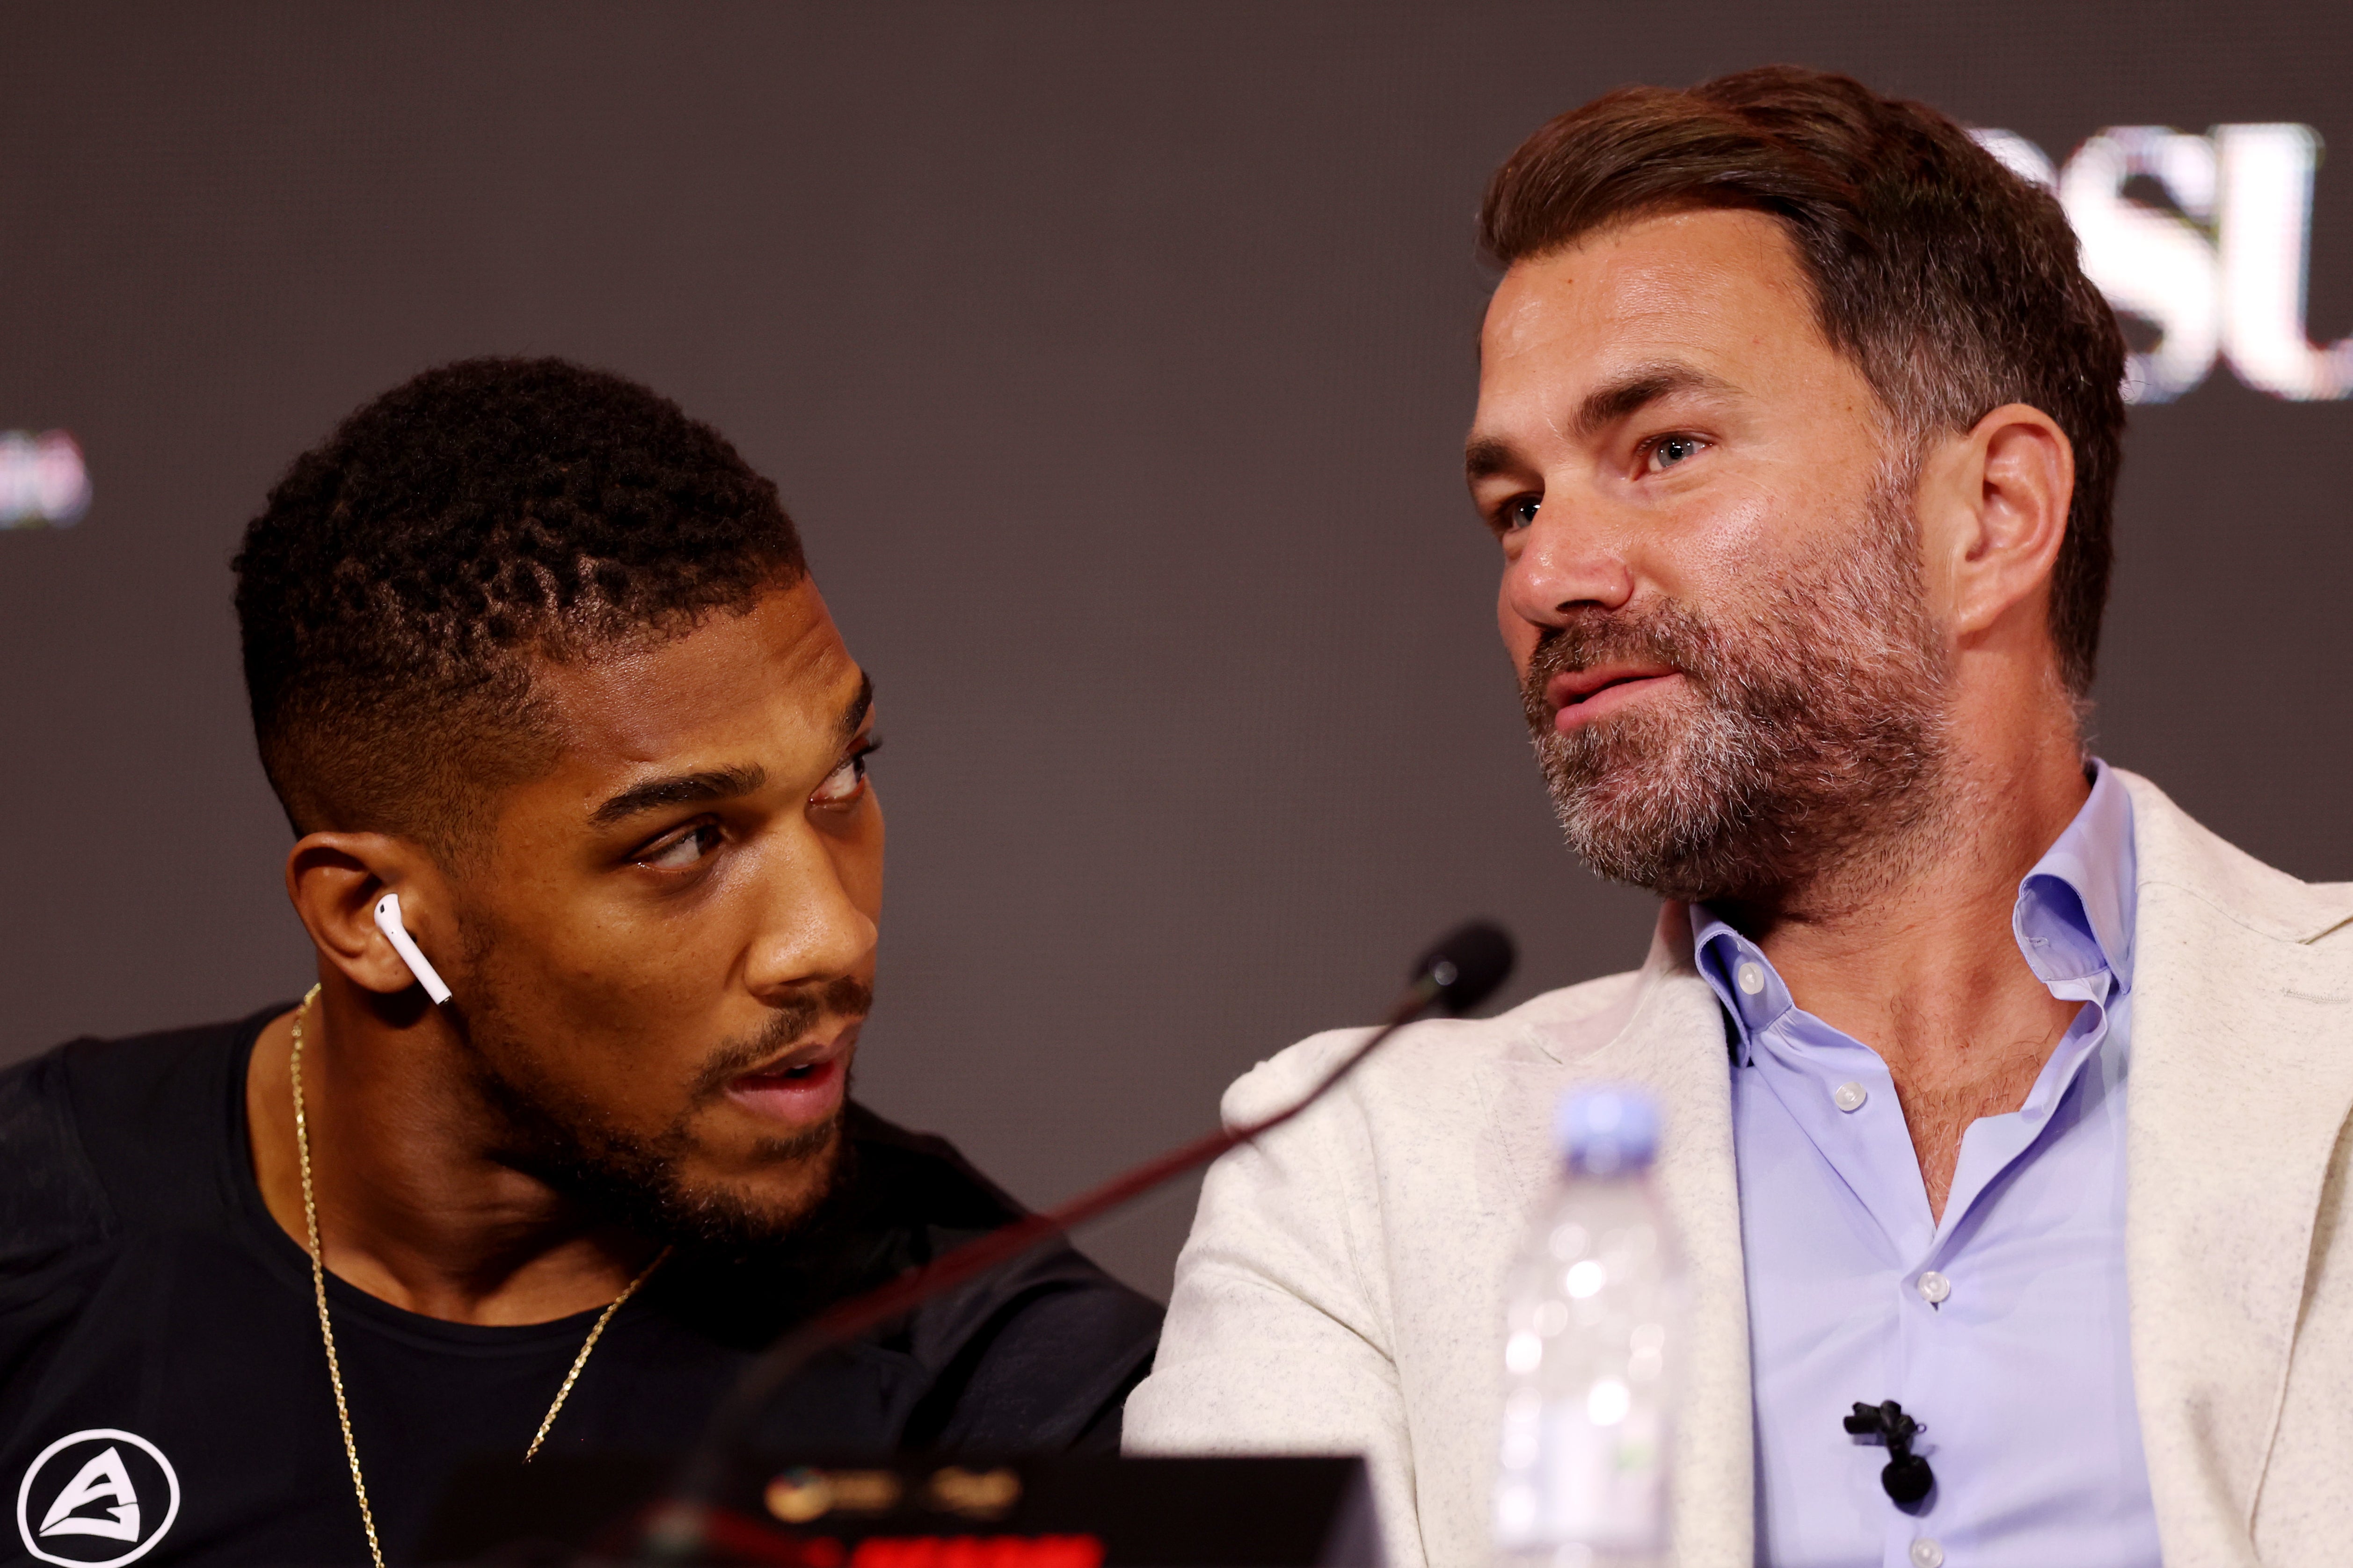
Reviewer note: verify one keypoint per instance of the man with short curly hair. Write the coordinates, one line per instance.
(563, 726)
(1995, 1088)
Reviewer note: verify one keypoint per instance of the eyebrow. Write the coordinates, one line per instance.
(679, 789)
(708, 785)
(1602, 407)
(859, 706)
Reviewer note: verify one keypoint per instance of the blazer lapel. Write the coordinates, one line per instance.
(1674, 1044)
(2240, 1081)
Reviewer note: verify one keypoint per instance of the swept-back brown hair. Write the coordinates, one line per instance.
(1952, 283)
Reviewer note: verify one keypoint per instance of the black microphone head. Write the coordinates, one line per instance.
(1908, 1479)
(1468, 966)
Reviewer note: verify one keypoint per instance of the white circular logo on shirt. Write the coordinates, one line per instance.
(96, 1500)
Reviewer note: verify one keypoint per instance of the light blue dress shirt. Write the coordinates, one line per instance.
(2003, 1329)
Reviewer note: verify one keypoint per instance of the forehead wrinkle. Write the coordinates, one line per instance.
(1659, 277)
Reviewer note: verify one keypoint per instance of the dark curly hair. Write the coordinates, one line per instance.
(1951, 282)
(407, 572)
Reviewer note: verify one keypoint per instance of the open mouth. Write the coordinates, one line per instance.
(801, 1090)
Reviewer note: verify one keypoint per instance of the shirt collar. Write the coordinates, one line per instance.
(1743, 978)
(2074, 920)
(2075, 910)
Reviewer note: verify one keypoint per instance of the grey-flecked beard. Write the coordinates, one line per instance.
(1818, 749)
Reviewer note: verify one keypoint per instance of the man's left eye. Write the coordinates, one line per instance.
(1669, 451)
(842, 785)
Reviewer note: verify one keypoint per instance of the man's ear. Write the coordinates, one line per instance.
(1993, 506)
(334, 880)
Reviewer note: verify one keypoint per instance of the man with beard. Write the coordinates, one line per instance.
(1993, 1085)
(537, 656)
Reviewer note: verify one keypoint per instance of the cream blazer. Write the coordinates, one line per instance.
(1341, 1291)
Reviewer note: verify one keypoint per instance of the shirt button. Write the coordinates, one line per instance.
(1926, 1553)
(1752, 978)
(1850, 1096)
(1933, 1288)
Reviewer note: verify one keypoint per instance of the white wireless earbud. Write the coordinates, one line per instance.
(387, 920)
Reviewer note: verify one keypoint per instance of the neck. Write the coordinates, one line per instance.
(1907, 946)
(414, 1205)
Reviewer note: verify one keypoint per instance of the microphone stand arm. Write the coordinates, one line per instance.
(677, 1532)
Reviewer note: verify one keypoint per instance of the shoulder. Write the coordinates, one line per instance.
(922, 1187)
(1428, 1063)
(2178, 854)
(101, 1133)
(1037, 1354)
(922, 1178)
(52, 1201)
(1424, 1126)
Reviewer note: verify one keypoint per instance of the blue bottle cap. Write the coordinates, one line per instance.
(1607, 1129)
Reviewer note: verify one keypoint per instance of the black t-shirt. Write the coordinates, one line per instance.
(160, 1352)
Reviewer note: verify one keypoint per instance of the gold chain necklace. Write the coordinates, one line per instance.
(327, 1329)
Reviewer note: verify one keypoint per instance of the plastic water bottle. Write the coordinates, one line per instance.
(1592, 1338)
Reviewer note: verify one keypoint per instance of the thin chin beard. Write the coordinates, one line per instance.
(635, 1182)
(1816, 762)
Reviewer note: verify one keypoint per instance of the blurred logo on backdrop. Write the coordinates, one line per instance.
(43, 482)
(2204, 245)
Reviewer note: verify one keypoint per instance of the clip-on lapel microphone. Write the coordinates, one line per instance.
(1905, 1475)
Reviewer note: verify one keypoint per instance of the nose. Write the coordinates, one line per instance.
(817, 925)
(1564, 560)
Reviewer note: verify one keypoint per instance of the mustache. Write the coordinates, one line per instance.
(1668, 634)
(844, 998)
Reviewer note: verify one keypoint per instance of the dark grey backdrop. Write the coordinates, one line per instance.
(1114, 359)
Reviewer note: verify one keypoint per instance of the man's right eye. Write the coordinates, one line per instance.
(1520, 511)
(683, 852)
